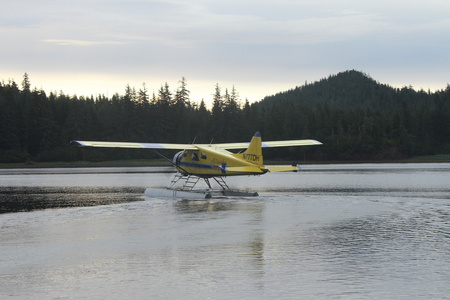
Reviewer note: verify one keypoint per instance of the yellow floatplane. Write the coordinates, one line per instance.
(206, 161)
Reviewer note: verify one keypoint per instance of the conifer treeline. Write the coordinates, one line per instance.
(353, 115)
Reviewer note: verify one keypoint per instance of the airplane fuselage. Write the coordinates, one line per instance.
(217, 162)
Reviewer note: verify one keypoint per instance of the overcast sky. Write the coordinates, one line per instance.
(95, 47)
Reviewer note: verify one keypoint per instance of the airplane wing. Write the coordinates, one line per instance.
(132, 145)
(290, 143)
(270, 144)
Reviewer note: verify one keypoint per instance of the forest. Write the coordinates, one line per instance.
(355, 117)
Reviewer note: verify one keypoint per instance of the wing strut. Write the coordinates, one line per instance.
(170, 161)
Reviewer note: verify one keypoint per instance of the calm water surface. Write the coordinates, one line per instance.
(369, 231)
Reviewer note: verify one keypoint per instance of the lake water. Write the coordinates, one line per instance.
(359, 231)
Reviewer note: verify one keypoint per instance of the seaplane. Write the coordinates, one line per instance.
(211, 161)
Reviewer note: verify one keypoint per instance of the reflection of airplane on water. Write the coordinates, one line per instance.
(207, 161)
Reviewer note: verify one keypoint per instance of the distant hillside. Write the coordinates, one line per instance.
(357, 118)
(354, 116)
(347, 89)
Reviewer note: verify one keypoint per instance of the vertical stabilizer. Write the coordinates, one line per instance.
(253, 154)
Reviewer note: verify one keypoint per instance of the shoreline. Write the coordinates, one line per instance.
(161, 163)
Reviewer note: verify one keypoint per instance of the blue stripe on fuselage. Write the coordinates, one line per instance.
(196, 165)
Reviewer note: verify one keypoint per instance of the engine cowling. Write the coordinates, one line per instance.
(177, 158)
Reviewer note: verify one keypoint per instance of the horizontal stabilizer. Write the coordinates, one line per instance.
(282, 168)
(247, 169)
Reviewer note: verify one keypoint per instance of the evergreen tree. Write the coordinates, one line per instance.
(217, 126)
(182, 94)
(26, 83)
(143, 97)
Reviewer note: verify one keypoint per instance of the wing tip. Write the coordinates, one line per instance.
(76, 144)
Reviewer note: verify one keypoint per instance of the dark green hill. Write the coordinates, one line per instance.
(348, 90)
(358, 118)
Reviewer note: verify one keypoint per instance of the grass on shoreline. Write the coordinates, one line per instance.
(161, 162)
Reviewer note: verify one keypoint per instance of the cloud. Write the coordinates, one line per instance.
(82, 43)
(196, 22)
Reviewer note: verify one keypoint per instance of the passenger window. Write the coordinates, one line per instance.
(194, 156)
(203, 156)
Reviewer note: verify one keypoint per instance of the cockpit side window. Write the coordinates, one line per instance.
(194, 156)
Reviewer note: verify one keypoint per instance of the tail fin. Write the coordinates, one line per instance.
(253, 154)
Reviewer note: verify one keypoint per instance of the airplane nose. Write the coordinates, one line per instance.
(176, 159)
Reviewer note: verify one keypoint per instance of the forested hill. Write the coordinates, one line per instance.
(358, 118)
(348, 90)
(354, 116)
